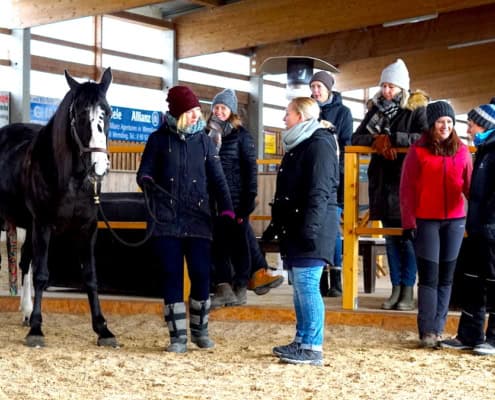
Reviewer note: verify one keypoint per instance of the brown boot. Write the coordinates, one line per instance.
(261, 282)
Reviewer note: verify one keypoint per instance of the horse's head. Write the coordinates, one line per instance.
(89, 115)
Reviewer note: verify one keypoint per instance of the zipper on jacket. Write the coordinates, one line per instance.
(445, 195)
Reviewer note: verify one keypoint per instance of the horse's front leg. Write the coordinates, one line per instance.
(105, 336)
(40, 242)
(26, 301)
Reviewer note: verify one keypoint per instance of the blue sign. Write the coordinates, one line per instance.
(130, 124)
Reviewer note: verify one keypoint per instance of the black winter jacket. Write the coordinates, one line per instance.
(183, 171)
(306, 198)
(238, 157)
(340, 116)
(384, 175)
(481, 207)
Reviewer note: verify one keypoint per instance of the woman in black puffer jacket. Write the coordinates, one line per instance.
(238, 156)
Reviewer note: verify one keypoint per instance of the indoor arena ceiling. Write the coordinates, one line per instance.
(448, 45)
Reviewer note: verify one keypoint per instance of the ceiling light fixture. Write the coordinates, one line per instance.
(468, 44)
(411, 20)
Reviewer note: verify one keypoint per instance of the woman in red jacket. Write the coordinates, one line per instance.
(435, 176)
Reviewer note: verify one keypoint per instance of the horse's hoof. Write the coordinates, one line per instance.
(108, 342)
(35, 341)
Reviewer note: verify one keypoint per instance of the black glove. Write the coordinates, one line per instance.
(247, 205)
(146, 180)
(409, 234)
(270, 233)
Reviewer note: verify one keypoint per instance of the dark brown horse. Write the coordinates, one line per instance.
(50, 177)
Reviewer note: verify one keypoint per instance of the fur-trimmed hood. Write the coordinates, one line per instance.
(416, 99)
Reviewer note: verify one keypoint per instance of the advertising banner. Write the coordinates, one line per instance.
(4, 108)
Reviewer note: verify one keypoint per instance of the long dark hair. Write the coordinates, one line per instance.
(447, 147)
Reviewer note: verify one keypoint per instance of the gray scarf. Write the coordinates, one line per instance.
(300, 132)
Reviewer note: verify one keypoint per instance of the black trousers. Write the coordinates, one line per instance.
(478, 293)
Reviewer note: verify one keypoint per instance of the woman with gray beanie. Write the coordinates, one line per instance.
(238, 156)
(395, 118)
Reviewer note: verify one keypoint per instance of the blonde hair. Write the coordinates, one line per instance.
(182, 121)
(306, 106)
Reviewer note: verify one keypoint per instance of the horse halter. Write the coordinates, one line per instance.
(93, 177)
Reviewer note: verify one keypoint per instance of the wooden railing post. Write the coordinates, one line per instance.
(351, 240)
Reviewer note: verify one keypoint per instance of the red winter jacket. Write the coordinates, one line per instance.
(431, 186)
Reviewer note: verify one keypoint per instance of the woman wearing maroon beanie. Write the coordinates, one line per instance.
(179, 167)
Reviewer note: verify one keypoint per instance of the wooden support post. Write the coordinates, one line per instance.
(351, 201)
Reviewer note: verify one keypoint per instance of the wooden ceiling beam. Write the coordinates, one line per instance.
(448, 29)
(28, 13)
(208, 3)
(464, 104)
(250, 23)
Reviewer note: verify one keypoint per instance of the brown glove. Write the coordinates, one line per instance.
(390, 154)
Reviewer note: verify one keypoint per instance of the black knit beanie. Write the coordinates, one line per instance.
(437, 110)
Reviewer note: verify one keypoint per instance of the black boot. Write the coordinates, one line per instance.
(324, 285)
(335, 282)
(392, 301)
(175, 317)
(198, 315)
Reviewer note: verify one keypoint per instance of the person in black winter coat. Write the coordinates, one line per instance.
(478, 282)
(332, 110)
(395, 118)
(178, 168)
(303, 210)
(238, 157)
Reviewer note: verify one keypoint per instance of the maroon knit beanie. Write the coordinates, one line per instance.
(181, 99)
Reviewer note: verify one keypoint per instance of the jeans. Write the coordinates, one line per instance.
(337, 255)
(171, 252)
(401, 258)
(309, 306)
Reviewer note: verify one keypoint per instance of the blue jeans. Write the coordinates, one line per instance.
(309, 306)
(337, 256)
(401, 258)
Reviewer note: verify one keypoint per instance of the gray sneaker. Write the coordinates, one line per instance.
(454, 344)
(292, 347)
(303, 356)
(223, 296)
(484, 349)
(241, 296)
(429, 341)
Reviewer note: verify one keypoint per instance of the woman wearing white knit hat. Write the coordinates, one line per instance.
(395, 118)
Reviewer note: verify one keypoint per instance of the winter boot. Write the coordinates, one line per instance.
(198, 322)
(241, 295)
(335, 282)
(324, 283)
(175, 317)
(261, 282)
(392, 301)
(223, 296)
(406, 301)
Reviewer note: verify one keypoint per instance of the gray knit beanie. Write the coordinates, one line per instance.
(396, 74)
(437, 110)
(226, 97)
(483, 116)
(323, 77)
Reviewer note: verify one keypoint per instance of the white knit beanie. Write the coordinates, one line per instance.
(396, 74)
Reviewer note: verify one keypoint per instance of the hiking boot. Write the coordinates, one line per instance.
(303, 356)
(223, 296)
(454, 344)
(335, 282)
(484, 349)
(286, 349)
(240, 293)
(261, 282)
(429, 341)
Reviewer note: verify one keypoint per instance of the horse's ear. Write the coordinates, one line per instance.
(106, 79)
(73, 84)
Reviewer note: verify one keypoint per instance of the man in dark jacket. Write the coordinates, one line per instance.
(478, 286)
(332, 110)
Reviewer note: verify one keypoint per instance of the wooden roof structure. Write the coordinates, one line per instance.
(448, 45)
